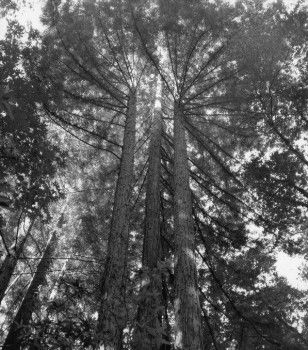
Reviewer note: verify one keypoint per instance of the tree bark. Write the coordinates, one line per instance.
(22, 319)
(148, 334)
(188, 329)
(112, 317)
(9, 264)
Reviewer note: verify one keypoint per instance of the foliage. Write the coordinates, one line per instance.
(240, 75)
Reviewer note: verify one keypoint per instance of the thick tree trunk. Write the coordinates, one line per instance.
(9, 263)
(148, 334)
(22, 319)
(188, 330)
(7, 268)
(112, 317)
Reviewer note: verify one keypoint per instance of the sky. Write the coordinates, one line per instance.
(30, 15)
(288, 267)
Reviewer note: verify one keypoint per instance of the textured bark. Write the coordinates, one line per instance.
(22, 319)
(188, 330)
(9, 263)
(112, 317)
(148, 334)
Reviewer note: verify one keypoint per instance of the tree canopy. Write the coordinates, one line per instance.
(153, 164)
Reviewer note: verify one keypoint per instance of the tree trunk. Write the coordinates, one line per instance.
(243, 342)
(188, 330)
(112, 317)
(22, 319)
(55, 287)
(148, 334)
(9, 264)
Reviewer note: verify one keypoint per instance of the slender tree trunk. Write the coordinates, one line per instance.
(55, 287)
(9, 263)
(148, 334)
(22, 319)
(112, 317)
(188, 330)
(244, 339)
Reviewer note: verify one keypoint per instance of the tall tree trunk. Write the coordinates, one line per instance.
(22, 319)
(148, 334)
(9, 263)
(112, 317)
(55, 287)
(188, 330)
(243, 342)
